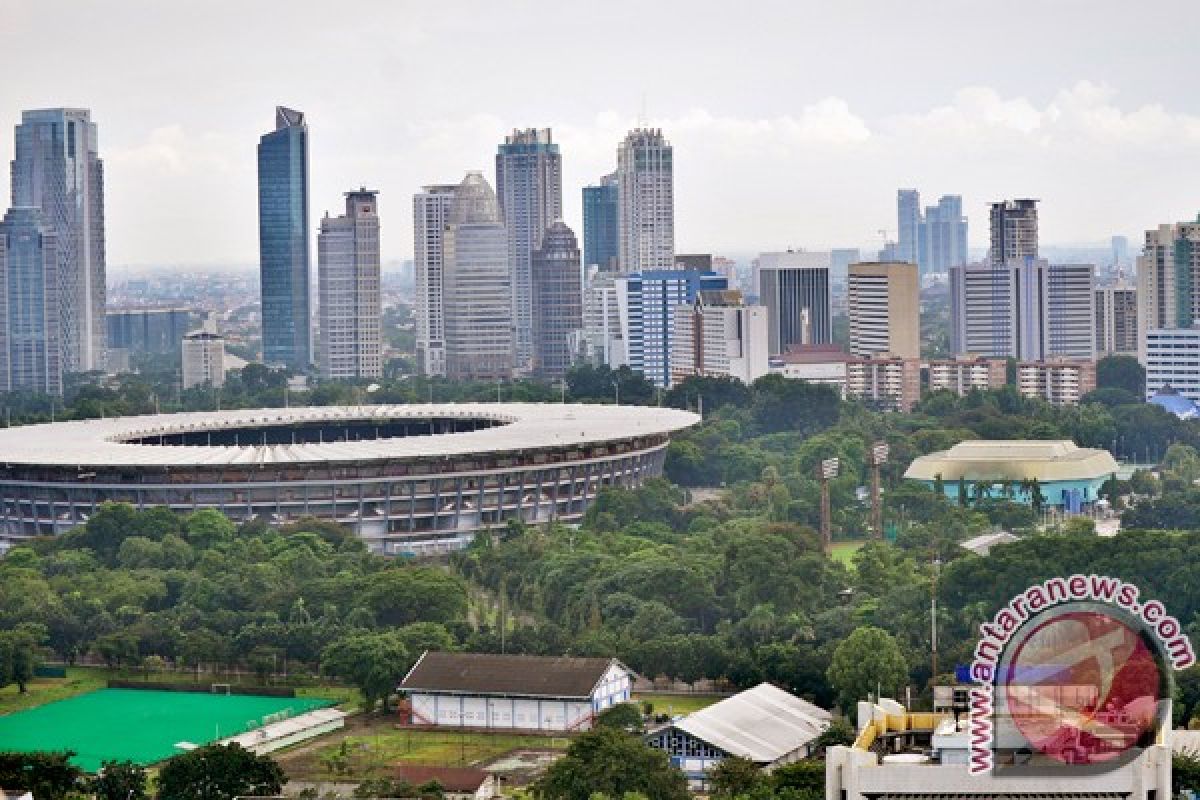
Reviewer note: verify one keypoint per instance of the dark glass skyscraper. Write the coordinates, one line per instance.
(557, 300)
(30, 350)
(283, 241)
(600, 224)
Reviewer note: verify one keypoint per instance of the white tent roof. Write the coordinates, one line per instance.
(762, 724)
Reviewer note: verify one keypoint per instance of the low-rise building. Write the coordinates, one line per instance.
(512, 692)
(458, 783)
(1058, 381)
(892, 383)
(203, 359)
(817, 363)
(765, 725)
(719, 336)
(966, 374)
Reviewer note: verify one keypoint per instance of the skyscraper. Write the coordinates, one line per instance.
(432, 212)
(646, 201)
(1014, 230)
(30, 349)
(1168, 274)
(58, 170)
(284, 266)
(943, 236)
(648, 302)
(908, 225)
(600, 241)
(885, 309)
(557, 300)
(1117, 320)
(348, 278)
(794, 286)
(477, 286)
(529, 190)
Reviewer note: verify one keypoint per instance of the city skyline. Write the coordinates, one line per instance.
(818, 164)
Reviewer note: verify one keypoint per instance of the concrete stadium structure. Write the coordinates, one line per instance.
(409, 479)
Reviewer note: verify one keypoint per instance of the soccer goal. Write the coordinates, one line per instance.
(221, 688)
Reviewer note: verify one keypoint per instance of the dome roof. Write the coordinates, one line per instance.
(475, 202)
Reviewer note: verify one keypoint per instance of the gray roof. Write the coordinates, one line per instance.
(528, 426)
(982, 544)
(508, 675)
(762, 724)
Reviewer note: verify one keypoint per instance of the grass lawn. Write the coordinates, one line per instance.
(47, 690)
(374, 744)
(844, 551)
(678, 703)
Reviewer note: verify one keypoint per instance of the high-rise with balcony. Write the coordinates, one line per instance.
(432, 211)
(600, 241)
(557, 300)
(885, 309)
(529, 190)
(646, 201)
(57, 169)
(1117, 320)
(348, 280)
(283, 252)
(477, 286)
(1014, 229)
(30, 350)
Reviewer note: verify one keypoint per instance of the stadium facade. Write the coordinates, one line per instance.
(408, 479)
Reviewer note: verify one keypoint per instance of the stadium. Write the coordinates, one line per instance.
(409, 479)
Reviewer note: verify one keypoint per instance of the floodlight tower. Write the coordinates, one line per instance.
(879, 457)
(827, 470)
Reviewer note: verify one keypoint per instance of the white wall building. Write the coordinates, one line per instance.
(645, 201)
(719, 336)
(348, 283)
(1172, 358)
(485, 690)
(601, 341)
(203, 359)
(432, 208)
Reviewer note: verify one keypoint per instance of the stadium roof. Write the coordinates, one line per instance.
(762, 724)
(527, 426)
(511, 675)
(1013, 460)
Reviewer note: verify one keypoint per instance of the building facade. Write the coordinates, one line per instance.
(884, 306)
(1168, 281)
(719, 336)
(284, 261)
(966, 374)
(601, 340)
(648, 301)
(1116, 321)
(1058, 381)
(432, 211)
(529, 191)
(477, 294)
(890, 383)
(557, 300)
(646, 201)
(57, 168)
(203, 359)
(794, 286)
(1172, 359)
(1014, 230)
(30, 350)
(348, 283)
(820, 363)
(149, 330)
(943, 236)
(908, 225)
(600, 229)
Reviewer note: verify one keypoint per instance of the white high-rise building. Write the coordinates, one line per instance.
(601, 340)
(58, 170)
(432, 211)
(203, 359)
(529, 191)
(1172, 358)
(477, 287)
(719, 336)
(348, 282)
(645, 202)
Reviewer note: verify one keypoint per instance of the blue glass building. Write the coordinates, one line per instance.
(30, 323)
(600, 224)
(283, 241)
(648, 301)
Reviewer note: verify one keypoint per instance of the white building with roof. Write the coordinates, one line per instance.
(765, 725)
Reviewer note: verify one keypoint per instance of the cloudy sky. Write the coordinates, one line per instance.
(793, 122)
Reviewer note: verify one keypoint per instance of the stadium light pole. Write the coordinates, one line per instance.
(825, 471)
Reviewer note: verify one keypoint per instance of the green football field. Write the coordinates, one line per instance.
(137, 725)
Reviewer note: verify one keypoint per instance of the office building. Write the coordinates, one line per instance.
(965, 374)
(908, 225)
(601, 340)
(794, 286)
(1025, 309)
(30, 349)
(942, 242)
(1168, 280)
(884, 381)
(149, 330)
(1058, 381)
(1172, 359)
(348, 282)
(557, 300)
(432, 212)
(645, 202)
(203, 359)
(1116, 320)
(884, 308)
(57, 169)
(477, 288)
(717, 335)
(600, 237)
(284, 265)
(529, 192)
(648, 302)
(1014, 229)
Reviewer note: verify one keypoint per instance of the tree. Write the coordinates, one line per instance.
(866, 662)
(734, 777)
(1121, 372)
(18, 657)
(120, 780)
(623, 716)
(373, 662)
(48, 776)
(613, 762)
(219, 772)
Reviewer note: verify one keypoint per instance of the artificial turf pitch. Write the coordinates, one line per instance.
(139, 725)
